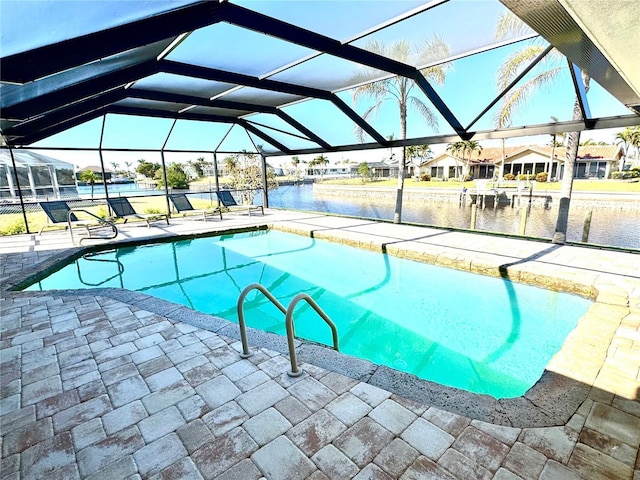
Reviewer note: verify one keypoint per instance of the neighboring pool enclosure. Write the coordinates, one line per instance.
(37, 175)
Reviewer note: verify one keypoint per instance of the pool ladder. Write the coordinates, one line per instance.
(295, 371)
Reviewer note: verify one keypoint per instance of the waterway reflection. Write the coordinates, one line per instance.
(609, 226)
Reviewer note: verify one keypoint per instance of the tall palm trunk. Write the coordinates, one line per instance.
(501, 169)
(573, 142)
(397, 216)
(552, 156)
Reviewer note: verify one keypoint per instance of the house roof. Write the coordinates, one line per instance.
(249, 68)
(98, 169)
(34, 159)
(494, 155)
(381, 164)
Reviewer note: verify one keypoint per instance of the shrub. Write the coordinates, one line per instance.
(633, 173)
(527, 177)
(15, 228)
(467, 178)
(542, 177)
(102, 212)
(364, 171)
(152, 210)
(509, 176)
(425, 177)
(176, 177)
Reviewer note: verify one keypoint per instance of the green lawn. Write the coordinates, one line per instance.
(13, 223)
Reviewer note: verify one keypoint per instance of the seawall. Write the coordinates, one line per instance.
(618, 201)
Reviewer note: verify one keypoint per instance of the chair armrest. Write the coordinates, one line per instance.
(98, 219)
(102, 222)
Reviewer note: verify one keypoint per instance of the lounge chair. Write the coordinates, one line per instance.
(230, 204)
(122, 209)
(182, 204)
(59, 213)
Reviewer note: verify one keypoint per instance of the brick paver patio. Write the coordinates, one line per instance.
(97, 387)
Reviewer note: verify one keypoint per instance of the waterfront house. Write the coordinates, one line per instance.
(97, 169)
(594, 161)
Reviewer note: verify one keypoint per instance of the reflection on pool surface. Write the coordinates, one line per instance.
(482, 334)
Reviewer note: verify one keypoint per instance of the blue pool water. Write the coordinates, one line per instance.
(482, 334)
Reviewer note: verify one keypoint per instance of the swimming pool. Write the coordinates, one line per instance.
(482, 334)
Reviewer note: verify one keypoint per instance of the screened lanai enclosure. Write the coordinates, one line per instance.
(37, 175)
(196, 83)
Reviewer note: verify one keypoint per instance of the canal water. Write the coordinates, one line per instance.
(609, 226)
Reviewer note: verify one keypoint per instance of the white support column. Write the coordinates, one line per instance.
(32, 182)
(54, 181)
(12, 186)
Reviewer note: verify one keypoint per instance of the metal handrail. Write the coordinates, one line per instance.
(295, 371)
(243, 329)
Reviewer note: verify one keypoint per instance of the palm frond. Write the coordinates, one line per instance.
(503, 116)
(375, 46)
(546, 78)
(432, 50)
(370, 112)
(455, 149)
(436, 74)
(397, 88)
(359, 133)
(518, 97)
(376, 90)
(364, 76)
(471, 146)
(515, 63)
(509, 25)
(426, 113)
(400, 51)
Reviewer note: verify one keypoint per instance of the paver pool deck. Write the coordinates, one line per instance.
(113, 384)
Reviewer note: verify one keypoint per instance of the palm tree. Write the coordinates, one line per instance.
(128, 165)
(464, 149)
(555, 143)
(230, 165)
(635, 141)
(320, 160)
(88, 177)
(629, 137)
(573, 142)
(389, 138)
(295, 162)
(417, 151)
(399, 90)
(517, 97)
